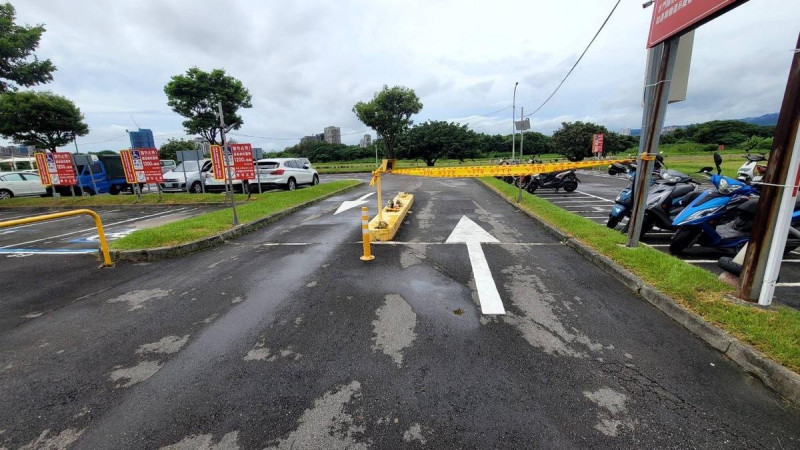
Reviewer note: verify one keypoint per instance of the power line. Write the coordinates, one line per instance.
(576, 62)
(107, 140)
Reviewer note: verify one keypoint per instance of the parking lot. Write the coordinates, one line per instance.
(595, 196)
(77, 235)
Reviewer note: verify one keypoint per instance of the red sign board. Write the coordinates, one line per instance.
(56, 169)
(597, 143)
(217, 162)
(147, 165)
(243, 168)
(672, 17)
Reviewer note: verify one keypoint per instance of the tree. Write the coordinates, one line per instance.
(389, 113)
(574, 139)
(195, 96)
(17, 44)
(535, 143)
(433, 140)
(41, 119)
(170, 149)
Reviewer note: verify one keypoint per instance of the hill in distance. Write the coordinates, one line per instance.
(765, 120)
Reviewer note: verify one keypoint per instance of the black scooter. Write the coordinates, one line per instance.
(566, 180)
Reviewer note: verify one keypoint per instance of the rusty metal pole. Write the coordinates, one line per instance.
(778, 176)
(660, 66)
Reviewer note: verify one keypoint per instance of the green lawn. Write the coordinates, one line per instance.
(113, 200)
(205, 225)
(776, 332)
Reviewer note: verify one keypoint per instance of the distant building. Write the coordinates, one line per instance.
(312, 138)
(333, 135)
(17, 150)
(142, 138)
(669, 129)
(625, 131)
(202, 145)
(366, 141)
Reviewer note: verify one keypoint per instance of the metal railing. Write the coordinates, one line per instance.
(99, 223)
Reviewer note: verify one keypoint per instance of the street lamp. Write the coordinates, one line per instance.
(513, 118)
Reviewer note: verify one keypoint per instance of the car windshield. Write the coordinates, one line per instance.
(190, 166)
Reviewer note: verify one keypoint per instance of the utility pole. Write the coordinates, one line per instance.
(521, 145)
(227, 165)
(762, 260)
(660, 66)
(513, 119)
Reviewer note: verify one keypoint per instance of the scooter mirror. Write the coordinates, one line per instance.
(705, 170)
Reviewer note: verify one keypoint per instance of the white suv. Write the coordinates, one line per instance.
(287, 173)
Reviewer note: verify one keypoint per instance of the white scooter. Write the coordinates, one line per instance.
(751, 170)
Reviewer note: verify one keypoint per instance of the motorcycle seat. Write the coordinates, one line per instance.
(756, 158)
(680, 191)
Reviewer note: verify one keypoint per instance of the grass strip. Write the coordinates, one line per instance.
(775, 331)
(114, 200)
(209, 224)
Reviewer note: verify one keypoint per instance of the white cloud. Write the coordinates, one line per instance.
(306, 63)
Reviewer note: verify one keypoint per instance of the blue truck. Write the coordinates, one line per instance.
(108, 175)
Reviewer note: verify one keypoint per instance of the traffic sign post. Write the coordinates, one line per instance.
(674, 17)
(597, 144)
(762, 260)
(130, 172)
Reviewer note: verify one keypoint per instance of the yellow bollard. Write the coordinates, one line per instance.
(367, 256)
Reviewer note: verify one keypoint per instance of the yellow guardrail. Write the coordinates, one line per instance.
(99, 223)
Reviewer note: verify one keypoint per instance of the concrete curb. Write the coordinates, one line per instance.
(153, 254)
(784, 381)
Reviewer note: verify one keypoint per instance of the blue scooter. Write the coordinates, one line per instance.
(698, 221)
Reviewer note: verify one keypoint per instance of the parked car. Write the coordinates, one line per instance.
(214, 185)
(167, 165)
(174, 180)
(286, 173)
(19, 184)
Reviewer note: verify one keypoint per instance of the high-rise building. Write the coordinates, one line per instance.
(333, 135)
(625, 132)
(142, 138)
(314, 137)
(366, 141)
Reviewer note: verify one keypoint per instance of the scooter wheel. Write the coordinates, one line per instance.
(570, 185)
(531, 188)
(612, 222)
(683, 239)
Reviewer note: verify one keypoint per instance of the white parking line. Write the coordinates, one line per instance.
(594, 196)
(714, 261)
(94, 229)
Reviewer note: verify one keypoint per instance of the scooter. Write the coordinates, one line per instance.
(698, 221)
(663, 201)
(566, 180)
(751, 170)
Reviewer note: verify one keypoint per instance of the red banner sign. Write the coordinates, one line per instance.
(672, 17)
(217, 162)
(243, 168)
(127, 166)
(56, 169)
(41, 166)
(597, 143)
(147, 165)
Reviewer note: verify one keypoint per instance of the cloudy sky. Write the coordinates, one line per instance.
(307, 63)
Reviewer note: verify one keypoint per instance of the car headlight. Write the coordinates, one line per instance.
(727, 188)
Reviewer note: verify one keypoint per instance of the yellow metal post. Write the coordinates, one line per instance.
(380, 198)
(367, 256)
(98, 223)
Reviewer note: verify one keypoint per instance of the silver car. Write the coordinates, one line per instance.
(174, 180)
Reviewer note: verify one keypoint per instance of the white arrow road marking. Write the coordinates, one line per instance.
(353, 203)
(472, 234)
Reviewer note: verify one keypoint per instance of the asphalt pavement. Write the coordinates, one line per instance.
(284, 338)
